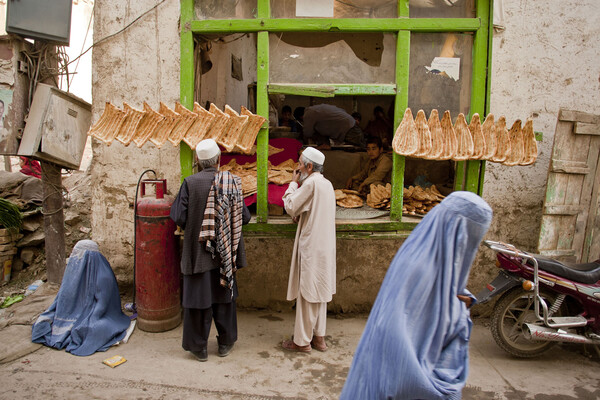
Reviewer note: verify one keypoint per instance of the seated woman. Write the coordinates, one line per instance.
(416, 341)
(86, 315)
(378, 169)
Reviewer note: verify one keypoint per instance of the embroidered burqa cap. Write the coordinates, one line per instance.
(314, 155)
(416, 341)
(207, 149)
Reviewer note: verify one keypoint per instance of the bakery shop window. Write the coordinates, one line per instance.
(334, 8)
(441, 8)
(225, 9)
(333, 58)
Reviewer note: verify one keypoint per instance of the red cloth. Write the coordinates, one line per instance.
(290, 147)
(31, 167)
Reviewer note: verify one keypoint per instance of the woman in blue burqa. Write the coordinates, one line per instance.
(415, 343)
(86, 315)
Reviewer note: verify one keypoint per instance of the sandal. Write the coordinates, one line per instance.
(291, 346)
(322, 347)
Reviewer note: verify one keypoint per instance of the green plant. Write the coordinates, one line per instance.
(10, 215)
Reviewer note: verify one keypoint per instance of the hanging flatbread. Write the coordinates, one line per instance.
(163, 129)
(200, 127)
(146, 126)
(437, 136)
(424, 135)
(220, 125)
(450, 140)
(503, 149)
(230, 136)
(406, 138)
(185, 122)
(516, 144)
(479, 145)
(109, 124)
(464, 151)
(529, 144)
(489, 134)
(129, 125)
(248, 135)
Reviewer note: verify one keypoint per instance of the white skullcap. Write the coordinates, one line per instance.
(314, 155)
(207, 149)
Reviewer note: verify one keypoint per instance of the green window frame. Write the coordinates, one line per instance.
(469, 174)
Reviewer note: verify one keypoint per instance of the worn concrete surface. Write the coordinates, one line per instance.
(258, 368)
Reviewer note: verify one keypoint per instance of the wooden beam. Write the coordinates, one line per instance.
(583, 128)
(331, 90)
(578, 116)
(336, 25)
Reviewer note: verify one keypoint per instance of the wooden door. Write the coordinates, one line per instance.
(570, 228)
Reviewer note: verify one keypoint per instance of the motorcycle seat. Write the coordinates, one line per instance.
(588, 273)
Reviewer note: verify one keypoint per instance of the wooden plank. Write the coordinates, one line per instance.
(262, 141)
(569, 167)
(186, 80)
(578, 116)
(562, 209)
(591, 243)
(336, 25)
(582, 128)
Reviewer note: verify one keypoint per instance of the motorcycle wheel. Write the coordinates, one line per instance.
(512, 310)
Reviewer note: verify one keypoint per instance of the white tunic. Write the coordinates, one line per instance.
(312, 272)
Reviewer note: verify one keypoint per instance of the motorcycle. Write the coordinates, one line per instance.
(542, 301)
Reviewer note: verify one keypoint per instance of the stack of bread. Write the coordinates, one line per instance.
(348, 198)
(235, 132)
(379, 196)
(441, 140)
(418, 200)
(278, 174)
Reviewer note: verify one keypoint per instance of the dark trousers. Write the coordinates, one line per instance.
(196, 325)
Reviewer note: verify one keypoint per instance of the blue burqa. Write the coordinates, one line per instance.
(415, 343)
(86, 315)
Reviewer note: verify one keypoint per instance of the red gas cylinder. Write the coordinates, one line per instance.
(156, 261)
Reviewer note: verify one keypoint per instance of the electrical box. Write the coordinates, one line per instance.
(56, 128)
(40, 19)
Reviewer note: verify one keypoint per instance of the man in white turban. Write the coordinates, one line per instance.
(310, 201)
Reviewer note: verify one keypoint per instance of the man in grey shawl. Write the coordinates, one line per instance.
(210, 208)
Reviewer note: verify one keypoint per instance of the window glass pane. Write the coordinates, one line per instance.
(334, 8)
(440, 72)
(225, 9)
(442, 8)
(332, 58)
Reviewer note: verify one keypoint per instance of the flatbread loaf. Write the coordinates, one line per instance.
(406, 138)
(489, 134)
(424, 135)
(503, 149)
(163, 129)
(220, 125)
(450, 140)
(339, 194)
(229, 138)
(350, 201)
(464, 138)
(530, 149)
(146, 126)
(200, 127)
(248, 135)
(437, 136)
(109, 124)
(129, 125)
(516, 144)
(479, 145)
(185, 122)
